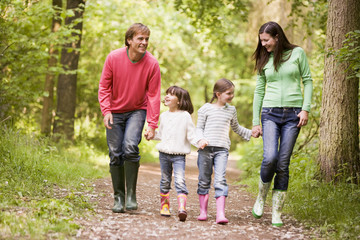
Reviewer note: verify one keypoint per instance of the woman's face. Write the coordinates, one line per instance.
(267, 41)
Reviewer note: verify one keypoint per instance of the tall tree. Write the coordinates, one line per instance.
(46, 119)
(339, 127)
(66, 87)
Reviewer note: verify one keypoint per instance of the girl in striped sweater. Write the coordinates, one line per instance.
(213, 124)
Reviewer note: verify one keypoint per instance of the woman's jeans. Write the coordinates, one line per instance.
(208, 158)
(280, 131)
(124, 137)
(168, 162)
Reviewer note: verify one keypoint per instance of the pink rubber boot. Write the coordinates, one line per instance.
(203, 199)
(220, 210)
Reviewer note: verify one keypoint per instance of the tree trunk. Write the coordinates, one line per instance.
(339, 127)
(66, 88)
(46, 119)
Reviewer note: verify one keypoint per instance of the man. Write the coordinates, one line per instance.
(129, 92)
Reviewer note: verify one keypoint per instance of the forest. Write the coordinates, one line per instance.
(52, 132)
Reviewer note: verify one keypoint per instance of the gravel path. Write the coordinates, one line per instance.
(146, 222)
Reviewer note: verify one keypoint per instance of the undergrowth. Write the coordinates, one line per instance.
(38, 184)
(330, 210)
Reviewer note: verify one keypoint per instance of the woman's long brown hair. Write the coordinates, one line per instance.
(261, 55)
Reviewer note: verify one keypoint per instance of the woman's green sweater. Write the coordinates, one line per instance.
(282, 88)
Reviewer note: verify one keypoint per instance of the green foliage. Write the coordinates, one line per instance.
(350, 53)
(25, 39)
(213, 14)
(23, 44)
(37, 180)
(310, 16)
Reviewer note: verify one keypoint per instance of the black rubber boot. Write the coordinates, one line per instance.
(131, 175)
(118, 181)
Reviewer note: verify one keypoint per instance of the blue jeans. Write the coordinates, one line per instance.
(124, 137)
(208, 158)
(168, 162)
(280, 132)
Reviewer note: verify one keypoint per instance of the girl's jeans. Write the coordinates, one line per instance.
(124, 137)
(278, 124)
(168, 162)
(208, 158)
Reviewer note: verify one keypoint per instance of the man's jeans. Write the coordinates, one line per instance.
(124, 137)
(208, 158)
(168, 162)
(278, 124)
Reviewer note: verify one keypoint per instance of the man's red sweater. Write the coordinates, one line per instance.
(126, 86)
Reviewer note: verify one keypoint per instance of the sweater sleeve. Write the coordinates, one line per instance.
(306, 80)
(105, 87)
(200, 125)
(153, 97)
(158, 133)
(190, 133)
(259, 94)
(241, 131)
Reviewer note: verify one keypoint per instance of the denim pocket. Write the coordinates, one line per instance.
(265, 110)
(297, 111)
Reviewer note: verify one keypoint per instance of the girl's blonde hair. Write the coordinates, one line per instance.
(221, 85)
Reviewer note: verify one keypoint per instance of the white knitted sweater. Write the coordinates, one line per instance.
(176, 132)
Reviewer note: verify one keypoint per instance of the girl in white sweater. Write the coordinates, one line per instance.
(177, 133)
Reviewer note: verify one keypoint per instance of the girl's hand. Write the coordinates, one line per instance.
(304, 116)
(256, 131)
(202, 143)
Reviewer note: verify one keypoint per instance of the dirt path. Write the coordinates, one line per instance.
(146, 222)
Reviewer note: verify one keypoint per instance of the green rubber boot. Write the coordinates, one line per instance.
(258, 208)
(131, 175)
(277, 205)
(118, 181)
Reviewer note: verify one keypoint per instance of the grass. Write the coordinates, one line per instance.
(40, 182)
(332, 210)
(33, 171)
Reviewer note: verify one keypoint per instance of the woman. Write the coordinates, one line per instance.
(281, 67)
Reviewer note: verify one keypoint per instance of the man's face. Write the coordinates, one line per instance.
(139, 43)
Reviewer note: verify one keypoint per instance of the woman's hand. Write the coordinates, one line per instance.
(304, 116)
(256, 131)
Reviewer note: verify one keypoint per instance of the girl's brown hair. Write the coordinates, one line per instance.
(261, 55)
(185, 103)
(221, 85)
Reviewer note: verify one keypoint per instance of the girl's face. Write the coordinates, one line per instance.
(171, 101)
(225, 97)
(268, 42)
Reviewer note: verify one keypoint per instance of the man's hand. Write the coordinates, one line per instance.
(149, 133)
(108, 119)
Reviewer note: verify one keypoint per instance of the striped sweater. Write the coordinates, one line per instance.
(214, 123)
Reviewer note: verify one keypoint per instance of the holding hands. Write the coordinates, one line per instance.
(149, 133)
(202, 143)
(256, 131)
